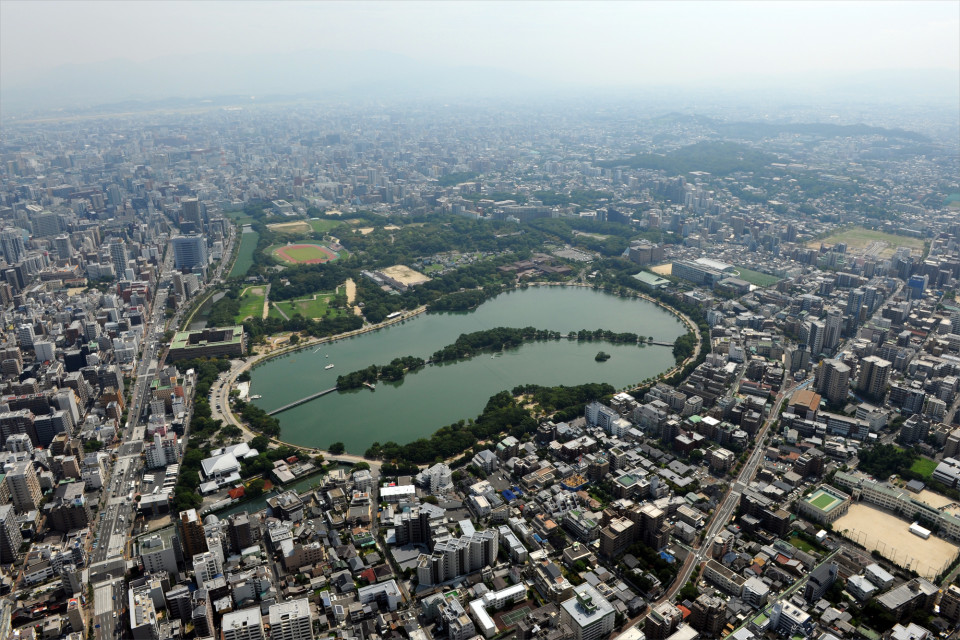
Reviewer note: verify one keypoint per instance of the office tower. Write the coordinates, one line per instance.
(816, 332)
(119, 258)
(63, 246)
(916, 285)
(12, 244)
(192, 211)
(833, 380)
(46, 224)
(192, 537)
(291, 620)
(25, 336)
(244, 624)
(190, 252)
(24, 486)
(10, 538)
(179, 602)
(874, 375)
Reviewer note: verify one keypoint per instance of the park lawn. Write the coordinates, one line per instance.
(251, 304)
(308, 308)
(248, 244)
(431, 268)
(324, 226)
(757, 278)
(923, 466)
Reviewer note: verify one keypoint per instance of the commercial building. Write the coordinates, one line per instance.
(208, 343)
(189, 252)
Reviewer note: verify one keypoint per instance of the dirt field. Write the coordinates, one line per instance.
(391, 227)
(290, 227)
(663, 269)
(365, 230)
(351, 290)
(937, 501)
(405, 275)
(877, 529)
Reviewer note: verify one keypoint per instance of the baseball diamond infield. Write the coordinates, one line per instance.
(304, 253)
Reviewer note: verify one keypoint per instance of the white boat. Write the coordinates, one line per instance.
(329, 366)
(327, 356)
(256, 397)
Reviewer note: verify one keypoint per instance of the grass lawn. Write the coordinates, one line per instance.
(757, 278)
(307, 308)
(923, 466)
(306, 253)
(239, 217)
(431, 268)
(251, 304)
(802, 544)
(323, 226)
(248, 244)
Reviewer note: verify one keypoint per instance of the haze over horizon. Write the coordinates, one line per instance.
(63, 54)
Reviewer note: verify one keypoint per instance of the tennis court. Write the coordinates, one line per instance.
(515, 616)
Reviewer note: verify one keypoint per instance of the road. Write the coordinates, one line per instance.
(116, 514)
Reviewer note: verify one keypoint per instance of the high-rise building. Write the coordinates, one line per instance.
(190, 252)
(25, 335)
(874, 375)
(708, 616)
(206, 566)
(193, 540)
(24, 487)
(291, 620)
(13, 246)
(119, 258)
(662, 621)
(834, 328)
(63, 246)
(816, 332)
(10, 538)
(244, 624)
(192, 211)
(44, 350)
(833, 380)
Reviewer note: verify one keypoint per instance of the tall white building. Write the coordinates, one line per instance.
(588, 614)
(25, 335)
(12, 245)
(206, 566)
(291, 620)
(244, 624)
(44, 350)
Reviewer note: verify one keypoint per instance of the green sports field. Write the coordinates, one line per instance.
(251, 303)
(823, 500)
(757, 278)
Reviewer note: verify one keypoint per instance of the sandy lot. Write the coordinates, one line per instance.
(391, 227)
(365, 230)
(877, 529)
(663, 269)
(351, 290)
(404, 274)
(291, 227)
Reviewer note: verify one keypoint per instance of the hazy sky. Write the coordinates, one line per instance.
(608, 43)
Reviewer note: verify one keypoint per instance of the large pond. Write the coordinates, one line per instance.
(442, 394)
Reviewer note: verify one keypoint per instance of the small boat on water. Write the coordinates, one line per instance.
(256, 397)
(329, 366)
